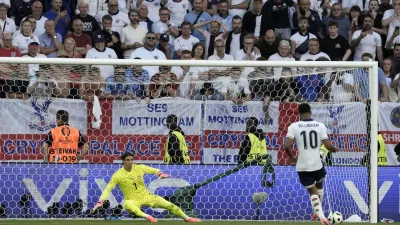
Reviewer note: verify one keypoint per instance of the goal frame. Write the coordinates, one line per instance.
(373, 91)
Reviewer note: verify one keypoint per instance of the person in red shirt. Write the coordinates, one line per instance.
(82, 40)
(7, 50)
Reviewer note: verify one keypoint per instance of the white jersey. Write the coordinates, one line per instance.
(308, 136)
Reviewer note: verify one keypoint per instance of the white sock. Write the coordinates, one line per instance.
(146, 215)
(316, 205)
(185, 217)
(321, 194)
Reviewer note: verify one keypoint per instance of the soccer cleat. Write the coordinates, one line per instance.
(192, 220)
(151, 219)
(315, 217)
(324, 221)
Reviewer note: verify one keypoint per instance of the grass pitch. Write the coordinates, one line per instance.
(160, 222)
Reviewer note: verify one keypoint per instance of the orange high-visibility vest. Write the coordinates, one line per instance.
(65, 144)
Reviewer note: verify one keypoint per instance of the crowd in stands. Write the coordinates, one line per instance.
(273, 30)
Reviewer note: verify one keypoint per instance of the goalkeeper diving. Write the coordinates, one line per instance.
(130, 180)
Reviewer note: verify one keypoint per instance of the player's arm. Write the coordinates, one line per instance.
(111, 185)
(289, 147)
(151, 170)
(45, 147)
(245, 149)
(325, 140)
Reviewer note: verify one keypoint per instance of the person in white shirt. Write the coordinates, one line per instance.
(132, 35)
(238, 7)
(248, 52)
(95, 6)
(309, 135)
(37, 13)
(153, 7)
(313, 51)
(215, 34)
(391, 20)
(166, 26)
(367, 40)
(300, 39)
(178, 9)
(120, 19)
(149, 51)
(100, 51)
(33, 52)
(283, 54)
(7, 25)
(185, 41)
(347, 4)
(26, 36)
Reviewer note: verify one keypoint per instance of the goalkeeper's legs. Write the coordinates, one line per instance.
(162, 203)
(134, 207)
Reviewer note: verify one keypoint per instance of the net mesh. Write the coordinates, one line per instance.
(127, 111)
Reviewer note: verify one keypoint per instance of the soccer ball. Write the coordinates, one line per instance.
(335, 218)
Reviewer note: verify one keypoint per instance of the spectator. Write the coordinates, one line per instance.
(60, 16)
(347, 4)
(395, 60)
(335, 45)
(356, 19)
(20, 9)
(361, 82)
(143, 20)
(215, 34)
(198, 16)
(50, 41)
(223, 15)
(185, 41)
(33, 52)
(238, 88)
(164, 83)
(234, 41)
(90, 24)
(70, 48)
(121, 86)
(73, 79)
(22, 41)
(343, 22)
(384, 6)
(94, 84)
(248, 52)
(113, 39)
(181, 71)
(166, 26)
(275, 15)
(132, 36)
(238, 7)
(7, 25)
(43, 84)
(140, 79)
(309, 86)
(312, 16)
(69, 5)
(95, 6)
(268, 45)
(340, 87)
(37, 13)
(7, 2)
(210, 6)
(300, 39)
(8, 50)
(367, 40)
(219, 53)
(283, 54)
(392, 89)
(31, 19)
(252, 20)
(153, 7)
(82, 40)
(100, 51)
(164, 46)
(178, 9)
(313, 51)
(149, 51)
(391, 20)
(198, 51)
(120, 19)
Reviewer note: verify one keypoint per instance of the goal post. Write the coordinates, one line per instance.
(210, 128)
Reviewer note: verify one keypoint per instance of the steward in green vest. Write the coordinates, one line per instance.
(254, 144)
(176, 151)
(382, 156)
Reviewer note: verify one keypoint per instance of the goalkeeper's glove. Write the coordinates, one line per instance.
(98, 205)
(162, 175)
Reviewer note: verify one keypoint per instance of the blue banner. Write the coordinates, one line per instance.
(227, 198)
(389, 189)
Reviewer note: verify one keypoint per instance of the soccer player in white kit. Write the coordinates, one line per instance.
(309, 135)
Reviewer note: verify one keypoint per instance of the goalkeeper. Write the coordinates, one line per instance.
(130, 180)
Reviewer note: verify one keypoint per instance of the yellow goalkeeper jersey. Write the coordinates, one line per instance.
(131, 183)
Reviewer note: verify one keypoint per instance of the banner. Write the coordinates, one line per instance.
(389, 126)
(389, 189)
(227, 198)
(38, 116)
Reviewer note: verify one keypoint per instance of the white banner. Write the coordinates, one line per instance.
(344, 118)
(229, 156)
(38, 116)
(131, 118)
(389, 125)
(227, 116)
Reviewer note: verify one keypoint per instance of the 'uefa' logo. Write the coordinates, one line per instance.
(395, 117)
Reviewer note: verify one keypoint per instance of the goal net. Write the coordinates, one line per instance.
(121, 106)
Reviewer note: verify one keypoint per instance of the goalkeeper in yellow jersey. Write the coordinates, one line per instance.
(130, 180)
